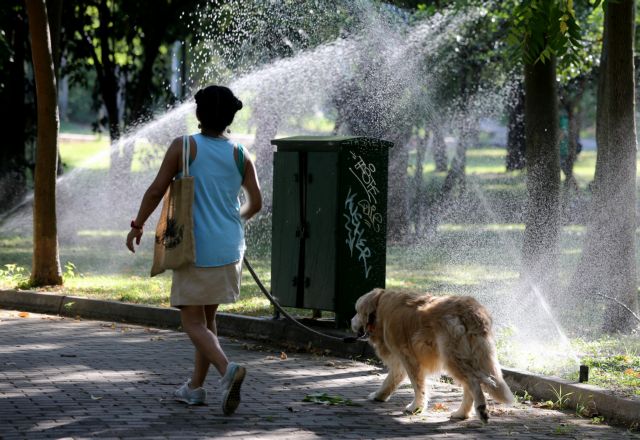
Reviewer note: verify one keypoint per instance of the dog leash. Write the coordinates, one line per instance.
(347, 339)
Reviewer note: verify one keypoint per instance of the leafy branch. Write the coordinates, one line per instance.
(542, 29)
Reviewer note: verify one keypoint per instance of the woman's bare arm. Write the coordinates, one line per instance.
(251, 188)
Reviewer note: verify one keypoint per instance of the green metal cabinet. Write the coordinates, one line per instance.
(329, 221)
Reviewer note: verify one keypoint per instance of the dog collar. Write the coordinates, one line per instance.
(371, 323)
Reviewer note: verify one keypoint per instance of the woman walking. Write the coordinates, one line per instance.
(220, 169)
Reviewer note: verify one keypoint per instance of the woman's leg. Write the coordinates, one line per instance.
(199, 323)
(201, 367)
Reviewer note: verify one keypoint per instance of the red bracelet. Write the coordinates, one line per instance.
(134, 226)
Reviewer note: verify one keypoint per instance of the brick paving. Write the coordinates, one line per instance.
(67, 378)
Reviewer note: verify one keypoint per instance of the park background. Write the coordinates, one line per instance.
(445, 81)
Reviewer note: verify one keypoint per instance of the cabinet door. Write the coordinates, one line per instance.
(361, 233)
(285, 218)
(320, 252)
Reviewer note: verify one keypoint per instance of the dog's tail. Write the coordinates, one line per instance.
(493, 381)
(474, 357)
(498, 388)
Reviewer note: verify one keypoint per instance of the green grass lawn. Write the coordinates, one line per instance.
(93, 154)
(614, 363)
(478, 254)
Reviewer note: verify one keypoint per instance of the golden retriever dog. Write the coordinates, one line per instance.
(418, 335)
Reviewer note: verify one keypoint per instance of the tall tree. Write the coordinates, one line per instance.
(542, 31)
(46, 261)
(439, 147)
(608, 264)
(123, 42)
(539, 250)
(570, 99)
(418, 201)
(516, 148)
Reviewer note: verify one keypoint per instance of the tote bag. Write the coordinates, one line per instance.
(175, 245)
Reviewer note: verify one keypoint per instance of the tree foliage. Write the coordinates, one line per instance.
(234, 36)
(18, 105)
(542, 29)
(127, 43)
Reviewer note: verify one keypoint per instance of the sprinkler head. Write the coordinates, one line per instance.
(584, 374)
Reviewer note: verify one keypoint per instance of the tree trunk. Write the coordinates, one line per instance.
(397, 191)
(516, 146)
(457, 172)
(539, 251)
(108, 76)
(608, 264)
(419, 200)
(54, 14)
(572, 134)
(184, 67)
(140, 105)
(108, 82)
(439, 149)
(571, 98)
(46, 262)
(455, 178)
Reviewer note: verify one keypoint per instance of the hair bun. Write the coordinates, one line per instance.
(216, 106)
(198, 96)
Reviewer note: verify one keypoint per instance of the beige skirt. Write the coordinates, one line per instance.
(198, 286)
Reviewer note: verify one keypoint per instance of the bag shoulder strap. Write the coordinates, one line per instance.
(239, 159)
(185, 155)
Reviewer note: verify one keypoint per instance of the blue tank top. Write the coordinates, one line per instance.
(218, 231)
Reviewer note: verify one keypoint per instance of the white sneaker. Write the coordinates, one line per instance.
(195, 396)
(230, 385)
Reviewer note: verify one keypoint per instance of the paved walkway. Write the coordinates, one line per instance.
(65, 378)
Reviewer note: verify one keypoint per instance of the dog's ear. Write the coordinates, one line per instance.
(375, 297)
(371, 321)
(370, 301)
(372, 307)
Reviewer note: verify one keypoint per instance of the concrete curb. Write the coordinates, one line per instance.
(230, 325)
(597, 400)
(614, 409)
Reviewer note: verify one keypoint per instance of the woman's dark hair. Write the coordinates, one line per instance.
(216, 106)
